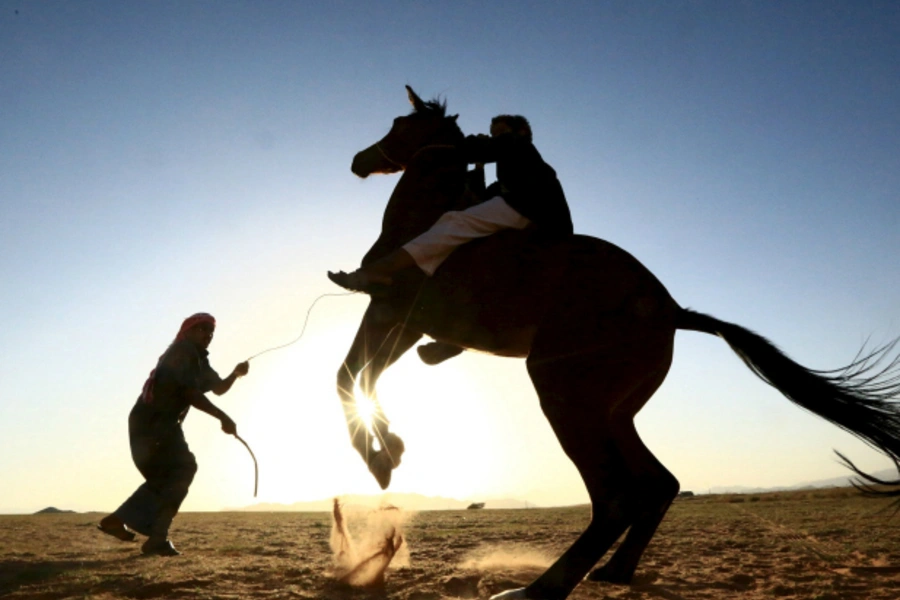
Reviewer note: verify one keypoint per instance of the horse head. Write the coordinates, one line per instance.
(427, 125)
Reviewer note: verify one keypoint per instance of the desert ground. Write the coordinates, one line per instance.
(823, 545)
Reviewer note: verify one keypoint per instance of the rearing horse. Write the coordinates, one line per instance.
(597, 331)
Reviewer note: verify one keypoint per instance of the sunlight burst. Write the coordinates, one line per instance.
(365, 408)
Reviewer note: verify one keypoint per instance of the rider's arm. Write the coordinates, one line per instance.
(480, 149)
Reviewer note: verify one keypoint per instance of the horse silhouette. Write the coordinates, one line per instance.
(597, 331)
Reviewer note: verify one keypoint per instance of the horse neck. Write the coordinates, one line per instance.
(431, 184)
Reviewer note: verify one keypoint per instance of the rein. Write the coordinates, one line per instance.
(388, 158)
(415, 154)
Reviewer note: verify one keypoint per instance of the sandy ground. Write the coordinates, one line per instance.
(825, 545)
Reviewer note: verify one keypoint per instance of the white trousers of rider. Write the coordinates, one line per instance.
(457, 227)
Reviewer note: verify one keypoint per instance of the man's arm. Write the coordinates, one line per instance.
(224, 385)
(201, 402)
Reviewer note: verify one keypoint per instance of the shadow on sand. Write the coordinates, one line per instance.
(88, 578)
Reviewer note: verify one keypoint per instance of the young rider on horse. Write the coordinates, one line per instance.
(526, 193)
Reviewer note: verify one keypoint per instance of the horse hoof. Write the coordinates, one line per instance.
(517, 594)
(394, 448)
(381, 466)
(608, 575)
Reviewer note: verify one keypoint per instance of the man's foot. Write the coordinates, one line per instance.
(159, 548)
(359, 280)
(434, 353)
(113, 525)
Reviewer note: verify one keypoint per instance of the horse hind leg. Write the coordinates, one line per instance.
(610, 518)
(581, 396)
(651, 488)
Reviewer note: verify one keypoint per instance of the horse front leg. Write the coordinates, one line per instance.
(378, 344)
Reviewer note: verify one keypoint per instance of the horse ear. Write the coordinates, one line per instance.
(414, 99)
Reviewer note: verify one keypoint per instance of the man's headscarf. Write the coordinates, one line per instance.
(193, 321)
(188, 324)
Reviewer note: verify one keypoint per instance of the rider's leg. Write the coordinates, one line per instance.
(379, 272)
(430, 249)
(455, 228)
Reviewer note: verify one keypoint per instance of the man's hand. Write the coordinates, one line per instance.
(241, 369)
(228, 426)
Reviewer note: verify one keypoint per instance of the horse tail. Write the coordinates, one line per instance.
(862, 398)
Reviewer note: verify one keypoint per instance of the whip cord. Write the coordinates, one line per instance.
(303, 330)
(294, 341)
(255, 465)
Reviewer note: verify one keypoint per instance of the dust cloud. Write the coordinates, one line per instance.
(490, 558)
(365, 542)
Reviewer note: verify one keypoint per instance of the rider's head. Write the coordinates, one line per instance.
(516, 124)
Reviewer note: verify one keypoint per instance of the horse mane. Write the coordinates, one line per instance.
(432, 108)
(437, 108)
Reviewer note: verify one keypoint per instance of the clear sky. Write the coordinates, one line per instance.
(159, 159)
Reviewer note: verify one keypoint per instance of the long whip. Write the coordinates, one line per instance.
(255, 465)
(303, 329)
(294, 341)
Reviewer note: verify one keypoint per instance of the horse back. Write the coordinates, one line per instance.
(495, 293)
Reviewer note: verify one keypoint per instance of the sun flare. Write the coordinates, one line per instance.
(365, 408)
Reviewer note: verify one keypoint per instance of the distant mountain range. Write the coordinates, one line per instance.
(418, 502)
(843, 481)
(52, 510)
(411, 502)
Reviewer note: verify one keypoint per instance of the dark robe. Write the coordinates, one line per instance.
(158, 447)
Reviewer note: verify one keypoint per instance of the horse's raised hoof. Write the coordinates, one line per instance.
(383, 462)
(517, 594)
(394, 447)
(608, 574)
(381, 466)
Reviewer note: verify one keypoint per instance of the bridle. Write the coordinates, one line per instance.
(388, 158)
(415, 154)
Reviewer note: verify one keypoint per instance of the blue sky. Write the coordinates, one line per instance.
(159, 159)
